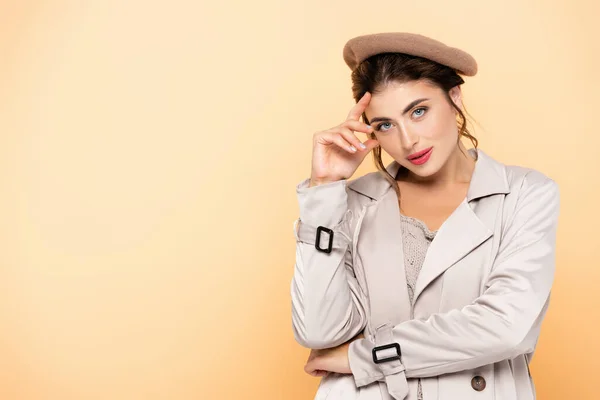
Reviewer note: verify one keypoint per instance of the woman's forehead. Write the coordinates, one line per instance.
(395, 88)
(399, 94)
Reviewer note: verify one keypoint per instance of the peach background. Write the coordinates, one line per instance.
(149, 153)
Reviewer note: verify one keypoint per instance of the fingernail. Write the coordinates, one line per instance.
(353, 148)
(363, 146)
(369, 126)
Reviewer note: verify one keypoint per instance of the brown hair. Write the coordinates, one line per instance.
(375, 72)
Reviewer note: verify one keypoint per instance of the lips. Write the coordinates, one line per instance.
(419, 154)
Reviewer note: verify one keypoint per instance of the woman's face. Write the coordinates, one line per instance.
(412, 117)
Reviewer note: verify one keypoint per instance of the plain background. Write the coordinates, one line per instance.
(149, 154)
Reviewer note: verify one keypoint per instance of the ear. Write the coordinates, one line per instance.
(456, 96)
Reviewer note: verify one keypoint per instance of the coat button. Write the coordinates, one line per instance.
(478, 383)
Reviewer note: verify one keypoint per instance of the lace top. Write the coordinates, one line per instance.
(416, 238)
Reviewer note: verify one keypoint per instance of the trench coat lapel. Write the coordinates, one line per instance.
(459, 234)
(381, 251)
(381, 234)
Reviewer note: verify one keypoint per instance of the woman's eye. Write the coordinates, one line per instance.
(381, 125)
(423, 109)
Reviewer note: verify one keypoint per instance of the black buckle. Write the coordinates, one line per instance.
(386, 346)
(330, 246)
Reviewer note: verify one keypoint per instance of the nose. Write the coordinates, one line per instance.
(408, 139)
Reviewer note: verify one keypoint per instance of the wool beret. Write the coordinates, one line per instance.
(359, 48)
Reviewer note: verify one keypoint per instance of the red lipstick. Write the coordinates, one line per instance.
(420, 157)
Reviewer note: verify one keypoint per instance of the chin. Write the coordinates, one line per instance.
(425, 170)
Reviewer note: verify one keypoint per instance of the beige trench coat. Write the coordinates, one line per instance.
(479, 300)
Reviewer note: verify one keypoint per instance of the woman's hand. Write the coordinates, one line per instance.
(323, 361)
(337, 152)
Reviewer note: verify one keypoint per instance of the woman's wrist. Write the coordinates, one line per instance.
(316, 182)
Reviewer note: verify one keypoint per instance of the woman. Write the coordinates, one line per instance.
(429, 278)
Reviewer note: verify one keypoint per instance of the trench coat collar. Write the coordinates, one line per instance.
(489, 177)
(383, 255)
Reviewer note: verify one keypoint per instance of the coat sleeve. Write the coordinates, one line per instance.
(327, 302)
(501, 323)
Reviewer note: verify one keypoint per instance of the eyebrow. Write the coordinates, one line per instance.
(406, 109)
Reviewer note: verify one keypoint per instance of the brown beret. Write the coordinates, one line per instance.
(361, 47)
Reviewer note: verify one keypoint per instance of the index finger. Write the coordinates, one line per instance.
(359, 107)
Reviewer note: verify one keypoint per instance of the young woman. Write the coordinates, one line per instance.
(429, 278)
